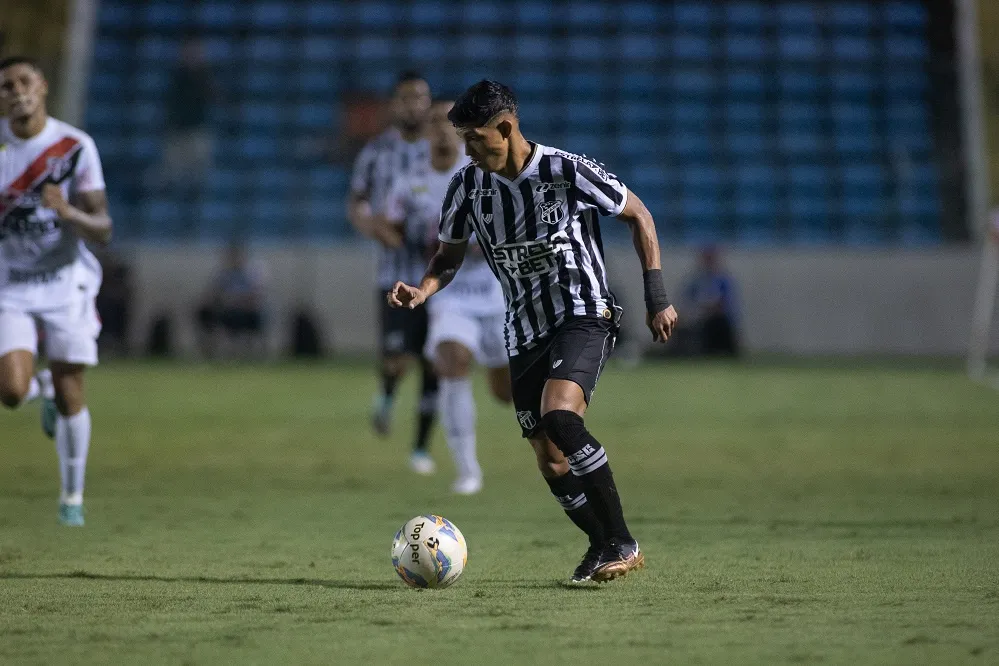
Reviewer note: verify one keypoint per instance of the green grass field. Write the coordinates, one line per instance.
(244, 515)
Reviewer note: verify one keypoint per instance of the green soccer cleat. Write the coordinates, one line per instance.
(71, 515)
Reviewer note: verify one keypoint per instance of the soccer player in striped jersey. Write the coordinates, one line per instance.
(400, 150)
(52, 199)
(535, 211)
(466, 321)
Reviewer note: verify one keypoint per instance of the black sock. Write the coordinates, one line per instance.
(428, 408)
(568, 491)
(389, 383)
(588, 462)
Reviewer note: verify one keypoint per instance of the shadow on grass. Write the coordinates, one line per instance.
(212, 580)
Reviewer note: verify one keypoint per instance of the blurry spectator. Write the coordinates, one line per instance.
(709, 306)
(114, 305)
(189, 143)
(233, 310)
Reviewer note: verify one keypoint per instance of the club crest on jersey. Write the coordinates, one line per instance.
(551, 212)
(58, 168)
(527, 421)
(486, 218)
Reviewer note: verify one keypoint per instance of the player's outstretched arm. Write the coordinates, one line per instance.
(442, 269)
(660, 315)
(88, 217)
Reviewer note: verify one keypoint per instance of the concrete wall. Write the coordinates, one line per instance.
(797, 302)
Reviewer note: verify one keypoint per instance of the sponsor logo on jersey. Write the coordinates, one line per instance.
(524, 260)
(583, 159)
(551, 187)
(478, 194)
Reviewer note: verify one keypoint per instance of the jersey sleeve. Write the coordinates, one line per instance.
(364, 172)
(455, 225)
(599, 189)
(89, 176)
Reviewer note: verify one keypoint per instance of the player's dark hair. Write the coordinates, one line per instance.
(482, 101)
(10, 61)
(407, 76)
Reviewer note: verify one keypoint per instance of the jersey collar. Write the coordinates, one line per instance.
(529, 168)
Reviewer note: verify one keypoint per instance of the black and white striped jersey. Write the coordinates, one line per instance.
(541, 237)
(384, 159)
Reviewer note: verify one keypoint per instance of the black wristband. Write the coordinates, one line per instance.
(655, 292)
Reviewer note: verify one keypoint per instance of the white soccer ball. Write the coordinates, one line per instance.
(429, 551)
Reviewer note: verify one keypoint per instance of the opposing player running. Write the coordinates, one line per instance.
(397, 152)
(535, 211)
(51, 200)
(466, 321)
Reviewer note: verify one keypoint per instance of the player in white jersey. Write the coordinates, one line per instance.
(397, 152)
(52, 199)
(466, 321)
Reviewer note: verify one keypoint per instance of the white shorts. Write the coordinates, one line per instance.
(482, 335)
(65, 309)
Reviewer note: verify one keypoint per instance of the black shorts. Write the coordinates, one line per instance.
(576, 351)
(404, 331)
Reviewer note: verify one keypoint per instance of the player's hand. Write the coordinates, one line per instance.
(401, 295)
(388, 234)
(662, 324)
(53, 199)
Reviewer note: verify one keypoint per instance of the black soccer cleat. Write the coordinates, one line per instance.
(617, 559)
(591, 560)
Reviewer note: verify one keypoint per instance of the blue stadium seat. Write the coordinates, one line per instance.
(746, 144)
(262, 116)
(272, 180)
(220, 220)
(700, 178)
(110, 54)
(697, 48)
(906, 84)
(851, 15)
(809, 206)
(755, 177)
(741, 47)
(756, 231)
(257, 147)
(276, 15)
(531, 48)
(808, 178)
(484, 13)
(217, 14)
(746, 83)
(159, 219)
(860, 177)
(920, 204)
(801, 114)
(222, 183)
(158, 51)
(905, 47)
(537, 14)
(261, 82)
(698, 15)
(803, 83)
(853, 114)
(115, 14)
(314, 81)
(322, 49)
(638, 82)
(638, 145)
(587, 50)
(314, 116)
(692, 82)
(853, 83)
(162, 15)
(690, 113)
(797, 15)
(751, 15)
(145, 149)
(863, 231)
(857, 144)
(801, 143)
(147, 116)
(270, 49)
(634, 46)
(907, 14)
(430, 14)
(800, 46)
(920, 232)
(849, 48)
(323, 15)
(374, 14)
(743, 115)
(376, 47)
(533, 83)
(107, 85)
(691, 146)
(426, 47)
(219, 50)
(480, 46)
(585, 84)
(639, 13)
(586, 13)
(103, 114)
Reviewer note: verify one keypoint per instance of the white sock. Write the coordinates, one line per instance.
(458, 417)
(34, 390)
(72, 444)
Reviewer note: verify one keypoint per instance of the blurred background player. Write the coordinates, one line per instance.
(52, 200)
(400, 150)
(535, 212)
(466, 321)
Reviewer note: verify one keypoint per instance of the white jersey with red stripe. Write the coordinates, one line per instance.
(33, 243)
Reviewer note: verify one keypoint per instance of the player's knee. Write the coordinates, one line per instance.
(551, 462)
(563, 427)
(452, 360)
(11, 396)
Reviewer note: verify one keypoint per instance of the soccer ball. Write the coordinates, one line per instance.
(429, 551)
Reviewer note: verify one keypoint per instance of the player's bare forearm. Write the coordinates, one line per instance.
(443, 267)
(643, 232)
(359, 214)
(88, 217)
